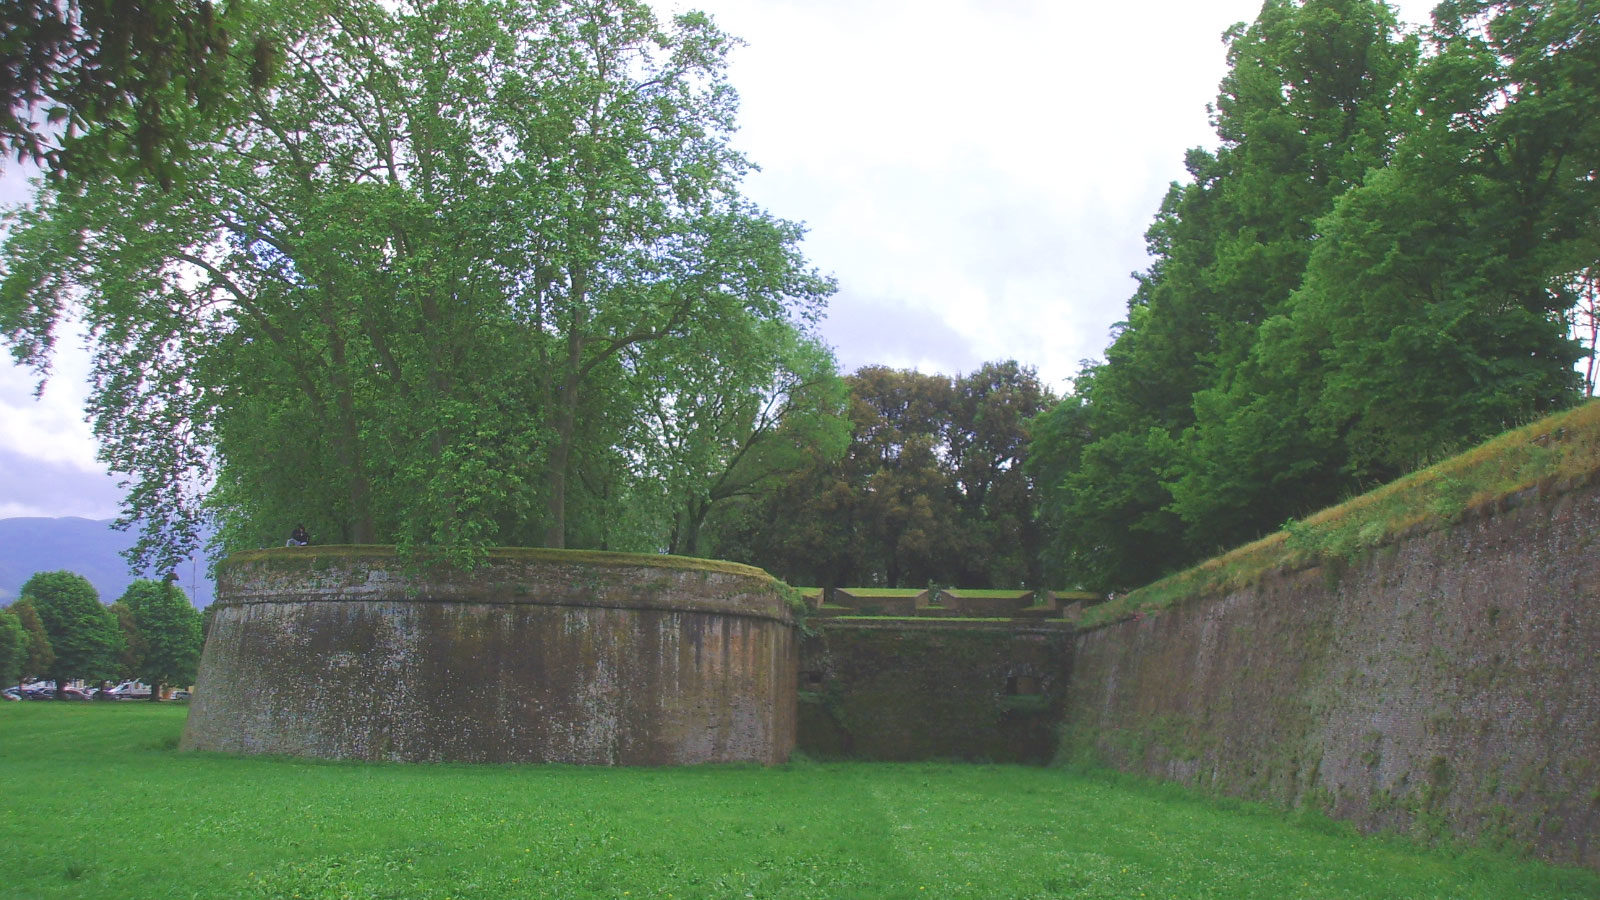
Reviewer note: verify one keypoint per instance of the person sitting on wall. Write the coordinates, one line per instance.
(298, 538)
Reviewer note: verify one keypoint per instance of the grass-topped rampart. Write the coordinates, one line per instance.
(1555, 454)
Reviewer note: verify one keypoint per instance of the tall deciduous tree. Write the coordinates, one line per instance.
(733, 413)
(1440, 300)
(13, 647)
(37, 656)
(83, 632)
(1381, 263)
(397, 297)
(1309, 105)
(931, 488)
(166, 632)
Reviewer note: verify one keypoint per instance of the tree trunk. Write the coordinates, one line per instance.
(555, 531)
(363, 530)
(555, 534)
(690, 544)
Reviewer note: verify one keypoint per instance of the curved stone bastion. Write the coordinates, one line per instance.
(534, 656)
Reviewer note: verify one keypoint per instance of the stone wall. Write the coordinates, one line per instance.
(945, 602)
(539, 656)
(929, 689)
(1448, 683)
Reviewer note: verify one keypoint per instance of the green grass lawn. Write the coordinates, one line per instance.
(97, 803)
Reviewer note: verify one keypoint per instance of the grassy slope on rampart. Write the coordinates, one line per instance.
(1553, 454)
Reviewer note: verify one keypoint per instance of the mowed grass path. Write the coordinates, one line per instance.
(97, 803)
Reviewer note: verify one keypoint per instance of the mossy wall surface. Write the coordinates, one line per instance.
(903, 689)
(1445, 684)
(533, 657)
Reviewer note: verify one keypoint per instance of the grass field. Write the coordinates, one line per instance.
(97, 803)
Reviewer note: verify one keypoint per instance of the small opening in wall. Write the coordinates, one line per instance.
(1022, 684)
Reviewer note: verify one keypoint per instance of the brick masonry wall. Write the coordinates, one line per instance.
(1448, 684)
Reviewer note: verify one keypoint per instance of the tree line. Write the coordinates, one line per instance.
(58, 630)
(1390, 256)
(456, 274)
(930, 488)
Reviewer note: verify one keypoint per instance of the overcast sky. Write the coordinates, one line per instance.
(977, 175)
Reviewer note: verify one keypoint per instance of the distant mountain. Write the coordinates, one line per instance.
(89, 547)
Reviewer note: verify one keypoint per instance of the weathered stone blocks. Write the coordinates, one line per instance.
(536, 656)
(1446, 684)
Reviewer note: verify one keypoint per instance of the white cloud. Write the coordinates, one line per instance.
(990, 165)
(51, 427)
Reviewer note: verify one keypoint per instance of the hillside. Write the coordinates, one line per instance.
(89, 547)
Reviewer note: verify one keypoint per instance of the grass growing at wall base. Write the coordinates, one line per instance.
(1556, 453)
(98, 804)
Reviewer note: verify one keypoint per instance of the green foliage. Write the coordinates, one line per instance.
(37, 657)
(132, 641)
(733, 414)
(1380, 263)
(1559, 451)
(276, 827)
(83, 633)
(165, 629)
(95, 88)
(931, 488)
(426, 290)
(13, 647)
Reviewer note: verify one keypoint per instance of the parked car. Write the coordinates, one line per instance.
(180, 694)
(72, 693)
(11, 693)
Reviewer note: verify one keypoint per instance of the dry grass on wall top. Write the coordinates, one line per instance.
(1555, 454)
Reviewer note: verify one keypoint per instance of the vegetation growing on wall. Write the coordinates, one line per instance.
(1554, 453)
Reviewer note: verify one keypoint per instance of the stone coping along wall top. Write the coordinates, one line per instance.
(532, 656)
(336, 572)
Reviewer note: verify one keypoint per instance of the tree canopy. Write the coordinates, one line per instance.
(84, 83)
(82, 632)
(421, 288)
(13, 647)
(931, 487)
(1385, 259)
(163, 630)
